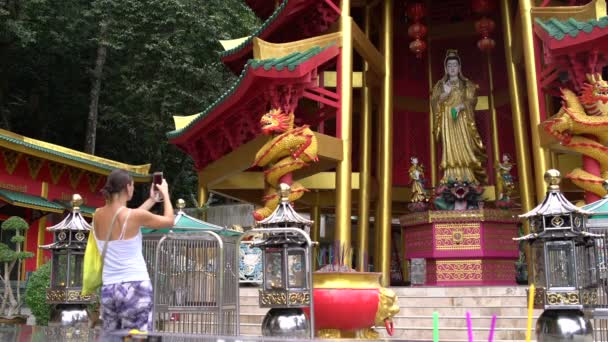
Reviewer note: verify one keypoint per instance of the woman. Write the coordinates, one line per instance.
(453, 100)
(126, 293)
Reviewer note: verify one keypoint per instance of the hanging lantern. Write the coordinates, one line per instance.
(416, 11)
(417, 30)
(484, 26)
(418, 47)
(483, 6)
(486, 44)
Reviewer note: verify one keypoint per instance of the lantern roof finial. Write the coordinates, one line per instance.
(181, 204)
(553, 178)
(76, 201)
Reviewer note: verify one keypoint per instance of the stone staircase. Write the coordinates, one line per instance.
(415, 321)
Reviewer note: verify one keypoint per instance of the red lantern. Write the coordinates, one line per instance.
(417, 30)
(416, 11)
(418, 47)
(486, 44)
(484, 26)
(483, 6)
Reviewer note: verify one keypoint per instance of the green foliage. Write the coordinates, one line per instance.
(162, 60)
(35, 294)
(15, 223)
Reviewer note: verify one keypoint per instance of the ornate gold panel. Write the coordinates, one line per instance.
(450, 216)
(56, 170)
(274, 298)
(34, 165)
(11, 160)
(567, 298)
(457, 236)
(66, 296)
(75, 175)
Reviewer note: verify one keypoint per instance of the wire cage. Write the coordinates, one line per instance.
(195, 277)
(600, 312)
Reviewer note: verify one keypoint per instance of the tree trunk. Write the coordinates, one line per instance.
(91, 134)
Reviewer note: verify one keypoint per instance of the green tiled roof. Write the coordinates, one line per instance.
(184, 222)
(257, 32)
(29, 201)
(598, 208)
(60, 152)
(290, 61)
(559, 29)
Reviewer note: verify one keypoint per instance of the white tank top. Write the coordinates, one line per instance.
(124, 260)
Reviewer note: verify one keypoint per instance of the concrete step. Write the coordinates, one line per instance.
(414, 322)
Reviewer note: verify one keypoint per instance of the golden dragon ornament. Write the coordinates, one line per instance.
(581, 125)
(291, 148)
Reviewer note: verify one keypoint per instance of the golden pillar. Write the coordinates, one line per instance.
(365, 162)
(44, 193)
(342, 235)
(315, 232)
(431, 117)
(539, 154)
(524, 169)
(385, 174)
(494, 119)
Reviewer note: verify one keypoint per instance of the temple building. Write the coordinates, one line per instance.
(420, 128)
(37, 181)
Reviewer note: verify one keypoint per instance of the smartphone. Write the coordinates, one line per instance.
(157, 178)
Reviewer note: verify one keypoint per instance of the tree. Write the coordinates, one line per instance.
(11, 306)
(35, 294)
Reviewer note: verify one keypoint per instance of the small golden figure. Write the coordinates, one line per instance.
(506, 179)
(416, 173)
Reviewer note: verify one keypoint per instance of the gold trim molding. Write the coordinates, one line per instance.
(450, 216)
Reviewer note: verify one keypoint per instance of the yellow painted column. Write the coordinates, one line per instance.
(315, 232)
(44, 193)
(540, 155)
(342, 236)
(524, 169)
(432, 146)
(365, 163)
(494, 121)
(385, 175)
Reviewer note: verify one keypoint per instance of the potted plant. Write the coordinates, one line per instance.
(10, 302)
(35, 294)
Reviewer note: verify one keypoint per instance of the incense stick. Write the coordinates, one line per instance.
(435, 326)
(530, 312)
(469, 326)
(492, 326)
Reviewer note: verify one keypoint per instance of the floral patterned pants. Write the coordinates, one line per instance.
(127, 305)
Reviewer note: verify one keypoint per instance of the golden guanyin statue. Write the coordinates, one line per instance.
(453, 101)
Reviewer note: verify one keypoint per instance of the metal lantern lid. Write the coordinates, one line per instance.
(284, 215)
(73, 222)
(555, 203)
(556, 217)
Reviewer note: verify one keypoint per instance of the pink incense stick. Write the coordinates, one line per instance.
(492, 326)
(470, 326)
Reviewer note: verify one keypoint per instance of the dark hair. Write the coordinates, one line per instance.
(117, 181)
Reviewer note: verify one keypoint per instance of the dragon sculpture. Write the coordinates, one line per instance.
(581, 125)
(290, 149)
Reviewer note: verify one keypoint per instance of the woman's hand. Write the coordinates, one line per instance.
(163, 188)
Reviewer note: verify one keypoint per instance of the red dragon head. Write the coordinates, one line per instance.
(594, 96)
(276, 121)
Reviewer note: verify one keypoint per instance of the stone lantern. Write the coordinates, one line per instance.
(563, 255)
(287, 286)
(70, 240)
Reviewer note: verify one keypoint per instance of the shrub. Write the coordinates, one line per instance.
(35, 294)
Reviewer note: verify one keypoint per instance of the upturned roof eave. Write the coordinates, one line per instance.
(246, 85)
